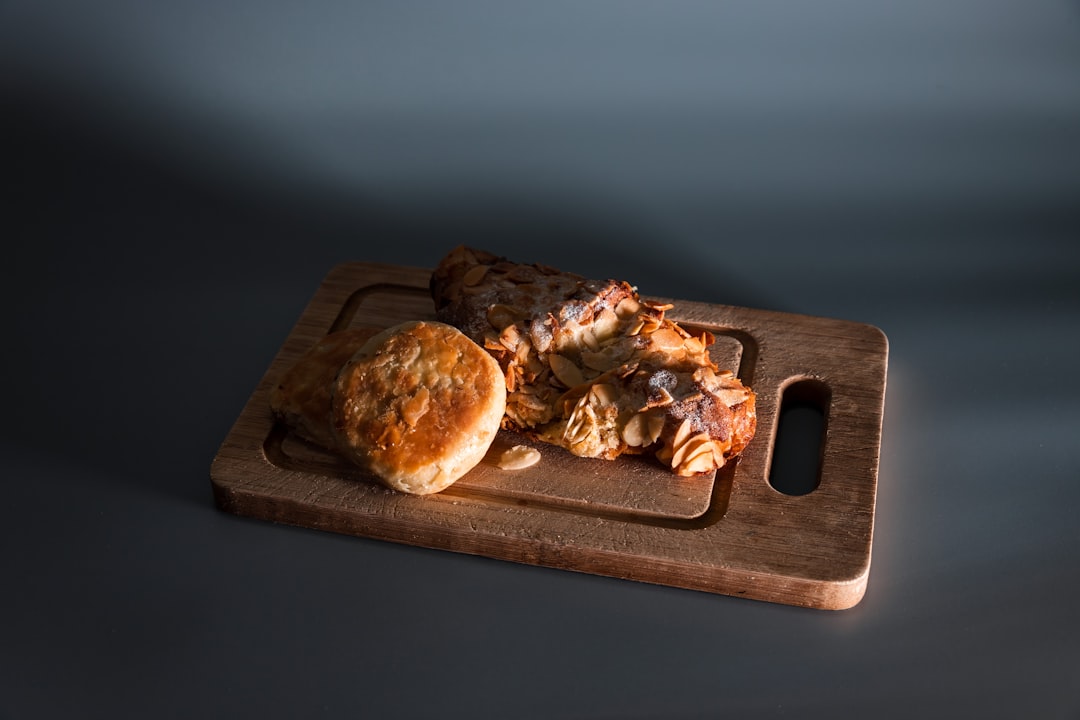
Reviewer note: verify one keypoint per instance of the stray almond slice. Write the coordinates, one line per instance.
(518, 457)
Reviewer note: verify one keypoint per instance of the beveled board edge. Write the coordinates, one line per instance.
(808, 552)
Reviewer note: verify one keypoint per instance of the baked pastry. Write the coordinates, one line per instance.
(302, 396)
(418, 406)
(592, 367)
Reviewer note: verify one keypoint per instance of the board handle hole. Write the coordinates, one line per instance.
(795, 466)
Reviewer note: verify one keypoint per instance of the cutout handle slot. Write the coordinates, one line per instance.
(798, 448)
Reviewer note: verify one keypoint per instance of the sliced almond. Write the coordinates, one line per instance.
(605, 325)
(501, 316)
(604, 393)
(627, 307)
(474, 275)
(656, 426)
(667, 340)
(565, 370)
(518, 457)
(529, 400)
(509, 338)
(633, 434)
(598, 361)
(588, 339)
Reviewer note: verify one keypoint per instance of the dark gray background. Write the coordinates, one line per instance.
(180, 176)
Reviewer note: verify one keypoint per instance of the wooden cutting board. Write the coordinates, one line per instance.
(730, 532)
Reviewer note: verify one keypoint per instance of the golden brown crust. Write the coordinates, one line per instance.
(591, 366)
(418, 406)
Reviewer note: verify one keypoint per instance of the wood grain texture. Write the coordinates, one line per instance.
(729, 533)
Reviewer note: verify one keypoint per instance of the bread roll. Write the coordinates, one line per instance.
(302, 396)
(418, 406)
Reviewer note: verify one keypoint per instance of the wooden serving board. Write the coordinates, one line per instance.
(729, 532)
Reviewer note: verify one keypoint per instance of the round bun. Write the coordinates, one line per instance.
(418, 406)
(302, 396)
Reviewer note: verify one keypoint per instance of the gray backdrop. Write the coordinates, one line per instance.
(180, 176)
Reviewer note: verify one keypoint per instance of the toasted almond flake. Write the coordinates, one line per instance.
(500, 316)
(656, 426)
(702, 462)
(565, 370)
(732, 397)
(605, 324)
(521, 355)
(646, 324)
(643, 429)
(627, 307)
(694, 345)
(474, 275)
(683, 433)
(689, 449)
(667, 339)
(518, 457)
(535, 367)
(520, 275)
(604, 393)
(661, 398)
(528, 400)
(598, 361)
(678, 454)
(633, 434)
(540, 333)
(509, 337)
(588, 339)
(580, 423)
